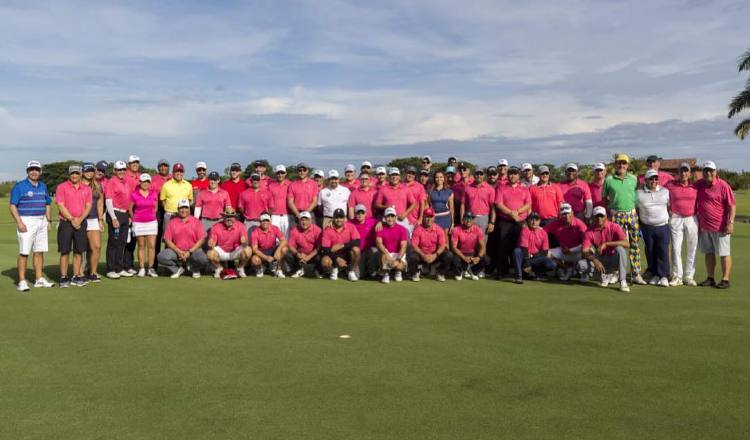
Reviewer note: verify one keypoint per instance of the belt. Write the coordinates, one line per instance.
(211, 219)
(119, 210)
(442, 214)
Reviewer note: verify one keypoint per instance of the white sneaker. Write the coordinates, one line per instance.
(676, 281)
(654, 280)
(152, 273)
(241, 272)
(397, 277)
(353, 276)
(125, 273)
(217, 272)
(334, 274)
(472, 275)
(177, 274)
(113, 275)
(386, 278)
(605, 280)
(415, 277)
(132, 271)
(279, 274)
(141, 273)
(638, 279)
(689, 282)
(481, 274)
(42, 282)
(441, 278)
(299, 274)
(23, 286)
(614, 277)
(196, 274)
(664, 282)
(259, 273)
(624, 287)
(459, 276)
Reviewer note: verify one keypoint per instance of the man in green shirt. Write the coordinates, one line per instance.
(619, 193)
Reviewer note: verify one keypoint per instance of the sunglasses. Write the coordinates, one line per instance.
(599, 216)
(622, 162)
(544, 174)
(302, 169)
(200, 169)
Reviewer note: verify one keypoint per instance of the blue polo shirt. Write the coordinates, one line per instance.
(30, 199)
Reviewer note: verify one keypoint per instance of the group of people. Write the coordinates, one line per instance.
(372, 223)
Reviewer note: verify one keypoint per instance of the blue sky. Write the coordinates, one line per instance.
(337, 82)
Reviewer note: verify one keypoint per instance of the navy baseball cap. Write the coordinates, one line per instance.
(339, 213)
(213, 175)
(102, 165)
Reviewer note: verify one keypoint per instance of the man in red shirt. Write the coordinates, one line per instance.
(234, 185)
(184, 237)
(683, 224)
(513, 203)
(530, 256)
(429, 249)
(133, 172)
(201, 181)
(492, 177)
(420, 197)
(546, 197)
(269, 247)
(576, 192)
(253, 202)
(340, 247)
(279, 190)
(567, 234)
(304, 246)
(228, 241)
(469, 249)
(605, 248)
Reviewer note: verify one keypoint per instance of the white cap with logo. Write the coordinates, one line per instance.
(565, 208)
(390, 211)
(571, 166)
(305, 214)
(34, 164)
(600, 210)
(201, 165)
(265, 216)
(333, 174)
(709, 164)
(651, 173)
(599, 166)
(279, 169)
(184, 203)
(366, 163)
(144, 177)
(120, 165)
(133, 158)
(394, 171)
(380, 170)
(502, 162)
(350, 167)
(526, 167)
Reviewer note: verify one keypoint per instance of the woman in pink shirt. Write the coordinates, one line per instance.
(143, 204)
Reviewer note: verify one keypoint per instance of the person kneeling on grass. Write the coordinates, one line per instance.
(568, 231)
(605, 248)
(429, 249)
(391, 241)
(530, 257)
(340, 247)
(228, 242)
(184, 238)
(269, 247)
(304, 246)
(469, 249)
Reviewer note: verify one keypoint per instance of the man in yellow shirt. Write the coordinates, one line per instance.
(174, 190)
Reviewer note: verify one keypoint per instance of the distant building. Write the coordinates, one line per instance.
(672, 166)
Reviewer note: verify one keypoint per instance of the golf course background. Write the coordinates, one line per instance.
(263, 359)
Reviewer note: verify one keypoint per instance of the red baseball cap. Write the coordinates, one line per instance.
(178, 167)
(429, 212)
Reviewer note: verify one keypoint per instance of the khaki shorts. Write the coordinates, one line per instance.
(714, 243)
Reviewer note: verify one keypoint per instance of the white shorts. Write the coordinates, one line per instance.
(714, 243)
(228, 256)
(572, 257)
(92, 224)
(147, 228)
(35, 237)
(394, 255)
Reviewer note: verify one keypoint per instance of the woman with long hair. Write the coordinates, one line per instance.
(143, 205)
(94, 222)
(441, 201)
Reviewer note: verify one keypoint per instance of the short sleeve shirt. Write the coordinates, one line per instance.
(305, 241)
(173, 191)
(303, 193)
(596, 236)
(74, 199)
(713, 202)
(682, 197)
(428, 240)
(513, 197)
(212, 203)
(535, 240)
(30, 199)
(576, 193)
(479, 199)
(392, 236)
(333, 236)
(620, 192)
(279, 193)
(184, 233)
(228, 239)
(546, 200)
(569, 236)
(466, 240)
(253, 203)
(266, 240)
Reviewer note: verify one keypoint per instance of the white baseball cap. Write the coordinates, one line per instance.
(651, 173)
(390, 211)
(350, 167)
(360, 208)
(526, 166)
(120, 165)
(428, 158)
(571, 166)
(319, 173)
(380, 170)
(599, 166)
(333, 174)
(144, 177)
(279, 169)
(265, 216)
(600, 210)
(709, 164)
(502, 162)
(393, 171)
(34, 164)
(304, 214)
(184, 203)
(201, 165)
(565, 208)
(133, 158)
(366, 163)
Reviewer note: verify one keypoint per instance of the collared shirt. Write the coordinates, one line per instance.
(596, 193)
(428, 240)
(212, 203)
(157, 181)
(466, 240)
(576, 193)
(664, 178)
(392, 236)
(620, 192)
(569, 236)
(546, 199)
(234, 189)
(267, 239)
(713, 203)
(653, 206)
(331, 199)
(30, 199)
(228, 239)
(133, 179)
(144, 208)
(420, 195)
(253, 203)
(366, 232)
(535, 240)
(365, 197)
(400, 197)
(73, 198)
(333, 236)
(350, 185)
(594, 236)
(265, 180)
(184, 233)
(305, 241)
(459, 189)
(118, 190)
(513, 197)
(173, 191)
(280, 193)
(199, 184)
(682, 197)
(479, 198)
(302, 193)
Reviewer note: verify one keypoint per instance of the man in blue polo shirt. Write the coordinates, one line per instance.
(30, 209)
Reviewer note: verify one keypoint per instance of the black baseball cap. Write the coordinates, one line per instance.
(411, 169)
(235, 167)
(468, 214)
(513, 170)
(533, 215)
(653, 158)
(339, 213)
(259, 163)
(213, 175)
(492, 170)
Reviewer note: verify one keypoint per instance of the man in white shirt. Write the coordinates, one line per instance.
(653, 212)
(333, 197)
(528, 179)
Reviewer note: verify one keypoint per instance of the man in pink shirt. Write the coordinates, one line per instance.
(279, 190)
(513, 203)
(566, 237)
(161, 176)
(604, 248)
(418, 193)
(429, 249)
(184, 237)
(502, 171)
(683, 225)
(597, 184)
(211, 202)
(576, 192)
(391, 240)
(340, 246)
(716, 209)
(653, 162)
(74, 201)
(253, 202)
(117, 202)
(397, 196)
(303, 194)
(546, 197)
(133, 173)
(350, 181)
(304, 246)
(531, 255)
(228, 242)
(479, 198)
(469, 249)
(234, 185)
(492, 177)
(367, 227)
(364, 195)
(269, 247)
(260, 169)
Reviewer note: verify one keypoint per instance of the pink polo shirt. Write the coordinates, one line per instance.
(595, 237)
(74, 199)
(144, 207)
(266, 240)
(303, 193)
(157, 181)
(569, 236)
(350, 185)
(133, 179)
(305, 241)
(479, 199)
(682, 198)
(713, 203)
(333, 236)
(576, 194)
(535, 240)
(212, 203)
(366, 232)
(228, 239)
(546, 199)
(513, 197)
(399, 197)
(184, 233)
(392, 236)
(119, 191)
(103, 183)
(466, 240)
(364, 197)
(595, 188)
(420, 195)
(459, 189)
(279, 193)
(428, 240)
(253, 203)
(264, 182)
(664, 178)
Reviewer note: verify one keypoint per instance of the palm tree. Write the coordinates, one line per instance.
(742, 100)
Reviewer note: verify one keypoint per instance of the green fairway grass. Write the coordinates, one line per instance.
(263, 359)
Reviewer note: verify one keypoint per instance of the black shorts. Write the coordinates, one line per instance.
(269, 252)
(71, 239)
(344, 254)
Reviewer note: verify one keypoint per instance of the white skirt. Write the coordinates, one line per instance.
(147, 228)
(92, 224)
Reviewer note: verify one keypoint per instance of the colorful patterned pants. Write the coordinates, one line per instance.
(628, 221)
